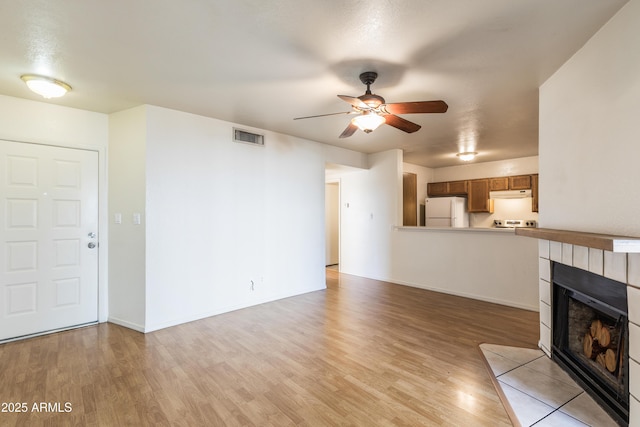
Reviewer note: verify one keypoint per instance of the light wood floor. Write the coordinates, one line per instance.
(361, 353)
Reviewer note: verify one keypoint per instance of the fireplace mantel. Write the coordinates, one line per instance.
(620, 244)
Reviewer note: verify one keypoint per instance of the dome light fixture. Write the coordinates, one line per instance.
(467, 155)
(45, 86)
(368, 121)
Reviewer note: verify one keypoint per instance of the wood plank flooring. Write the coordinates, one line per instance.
(361, 353)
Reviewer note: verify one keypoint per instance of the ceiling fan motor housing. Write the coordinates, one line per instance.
(368, 98)
(372, 100)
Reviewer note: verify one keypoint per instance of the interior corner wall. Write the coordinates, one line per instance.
(228, 224)
(371, 206)
(127, 196)
(23, 120)
(589, 149)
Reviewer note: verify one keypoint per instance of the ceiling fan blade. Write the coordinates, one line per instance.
(402, 124)
(415, 107)
(356, 102)
(324, 115)
(350, 130)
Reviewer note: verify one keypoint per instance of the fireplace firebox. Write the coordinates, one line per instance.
(590, 335)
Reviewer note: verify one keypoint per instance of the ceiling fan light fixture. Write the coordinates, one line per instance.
(467, 155)
(45, 86)
(368, 121)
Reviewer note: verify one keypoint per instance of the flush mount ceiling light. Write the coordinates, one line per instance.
(368, 121)
(45, 86)
(467, 155)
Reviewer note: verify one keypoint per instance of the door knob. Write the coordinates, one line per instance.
(91, 245)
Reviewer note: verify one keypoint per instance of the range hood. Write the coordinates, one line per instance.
(510, 194)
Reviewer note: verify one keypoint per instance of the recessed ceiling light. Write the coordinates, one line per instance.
(45, 86)
(467, 155)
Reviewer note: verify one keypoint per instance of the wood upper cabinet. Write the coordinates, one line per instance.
(478, 196)
(451, 188)
(520, 182)
(498, 184)
(437, 189)
(534, 193)
(458, 187)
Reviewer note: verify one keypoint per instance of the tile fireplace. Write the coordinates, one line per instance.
(603, 259)
(589, 335)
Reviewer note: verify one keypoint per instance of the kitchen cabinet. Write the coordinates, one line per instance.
(534, 193)
(478, 196)
(498, 184)
(450, 188)
(520, 182)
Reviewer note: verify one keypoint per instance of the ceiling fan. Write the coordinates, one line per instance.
(371, 110)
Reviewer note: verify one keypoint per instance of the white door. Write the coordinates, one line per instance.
(48, 238)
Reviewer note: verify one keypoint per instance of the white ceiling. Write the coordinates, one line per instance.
(263, 62)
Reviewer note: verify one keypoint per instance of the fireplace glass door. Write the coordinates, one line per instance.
(590, 338)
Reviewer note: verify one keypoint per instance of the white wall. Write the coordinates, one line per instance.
(485, 265)
(43, 123)
(371, 205)
(127, 196)
(226, 225)
(332, 222)
(589, 150)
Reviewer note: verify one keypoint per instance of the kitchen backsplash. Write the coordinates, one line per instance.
(504, 209)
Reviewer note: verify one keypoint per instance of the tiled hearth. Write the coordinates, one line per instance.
(620, 266)
(538, 392)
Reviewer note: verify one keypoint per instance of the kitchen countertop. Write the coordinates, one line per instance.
(458, 230)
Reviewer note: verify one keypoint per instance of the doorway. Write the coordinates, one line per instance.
(48, 238)
(332, 224)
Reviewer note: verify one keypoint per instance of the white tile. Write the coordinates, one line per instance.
(560, 419)
(634, 384)
(545, 339)
(633, 305)
(544, 269)
(548, 367)
(615, 266)
(527, 409)
(634, 412)
(549, 390)
(545, 314)
(596, 261)
(520, 355)
(567, 254)
(581, 257)
(634, 269)
(499, 364)
(585, 409)
(555, 251)
(543, 248)
(634, 341)
(544, 289)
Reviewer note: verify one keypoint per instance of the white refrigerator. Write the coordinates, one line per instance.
(446, 212)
